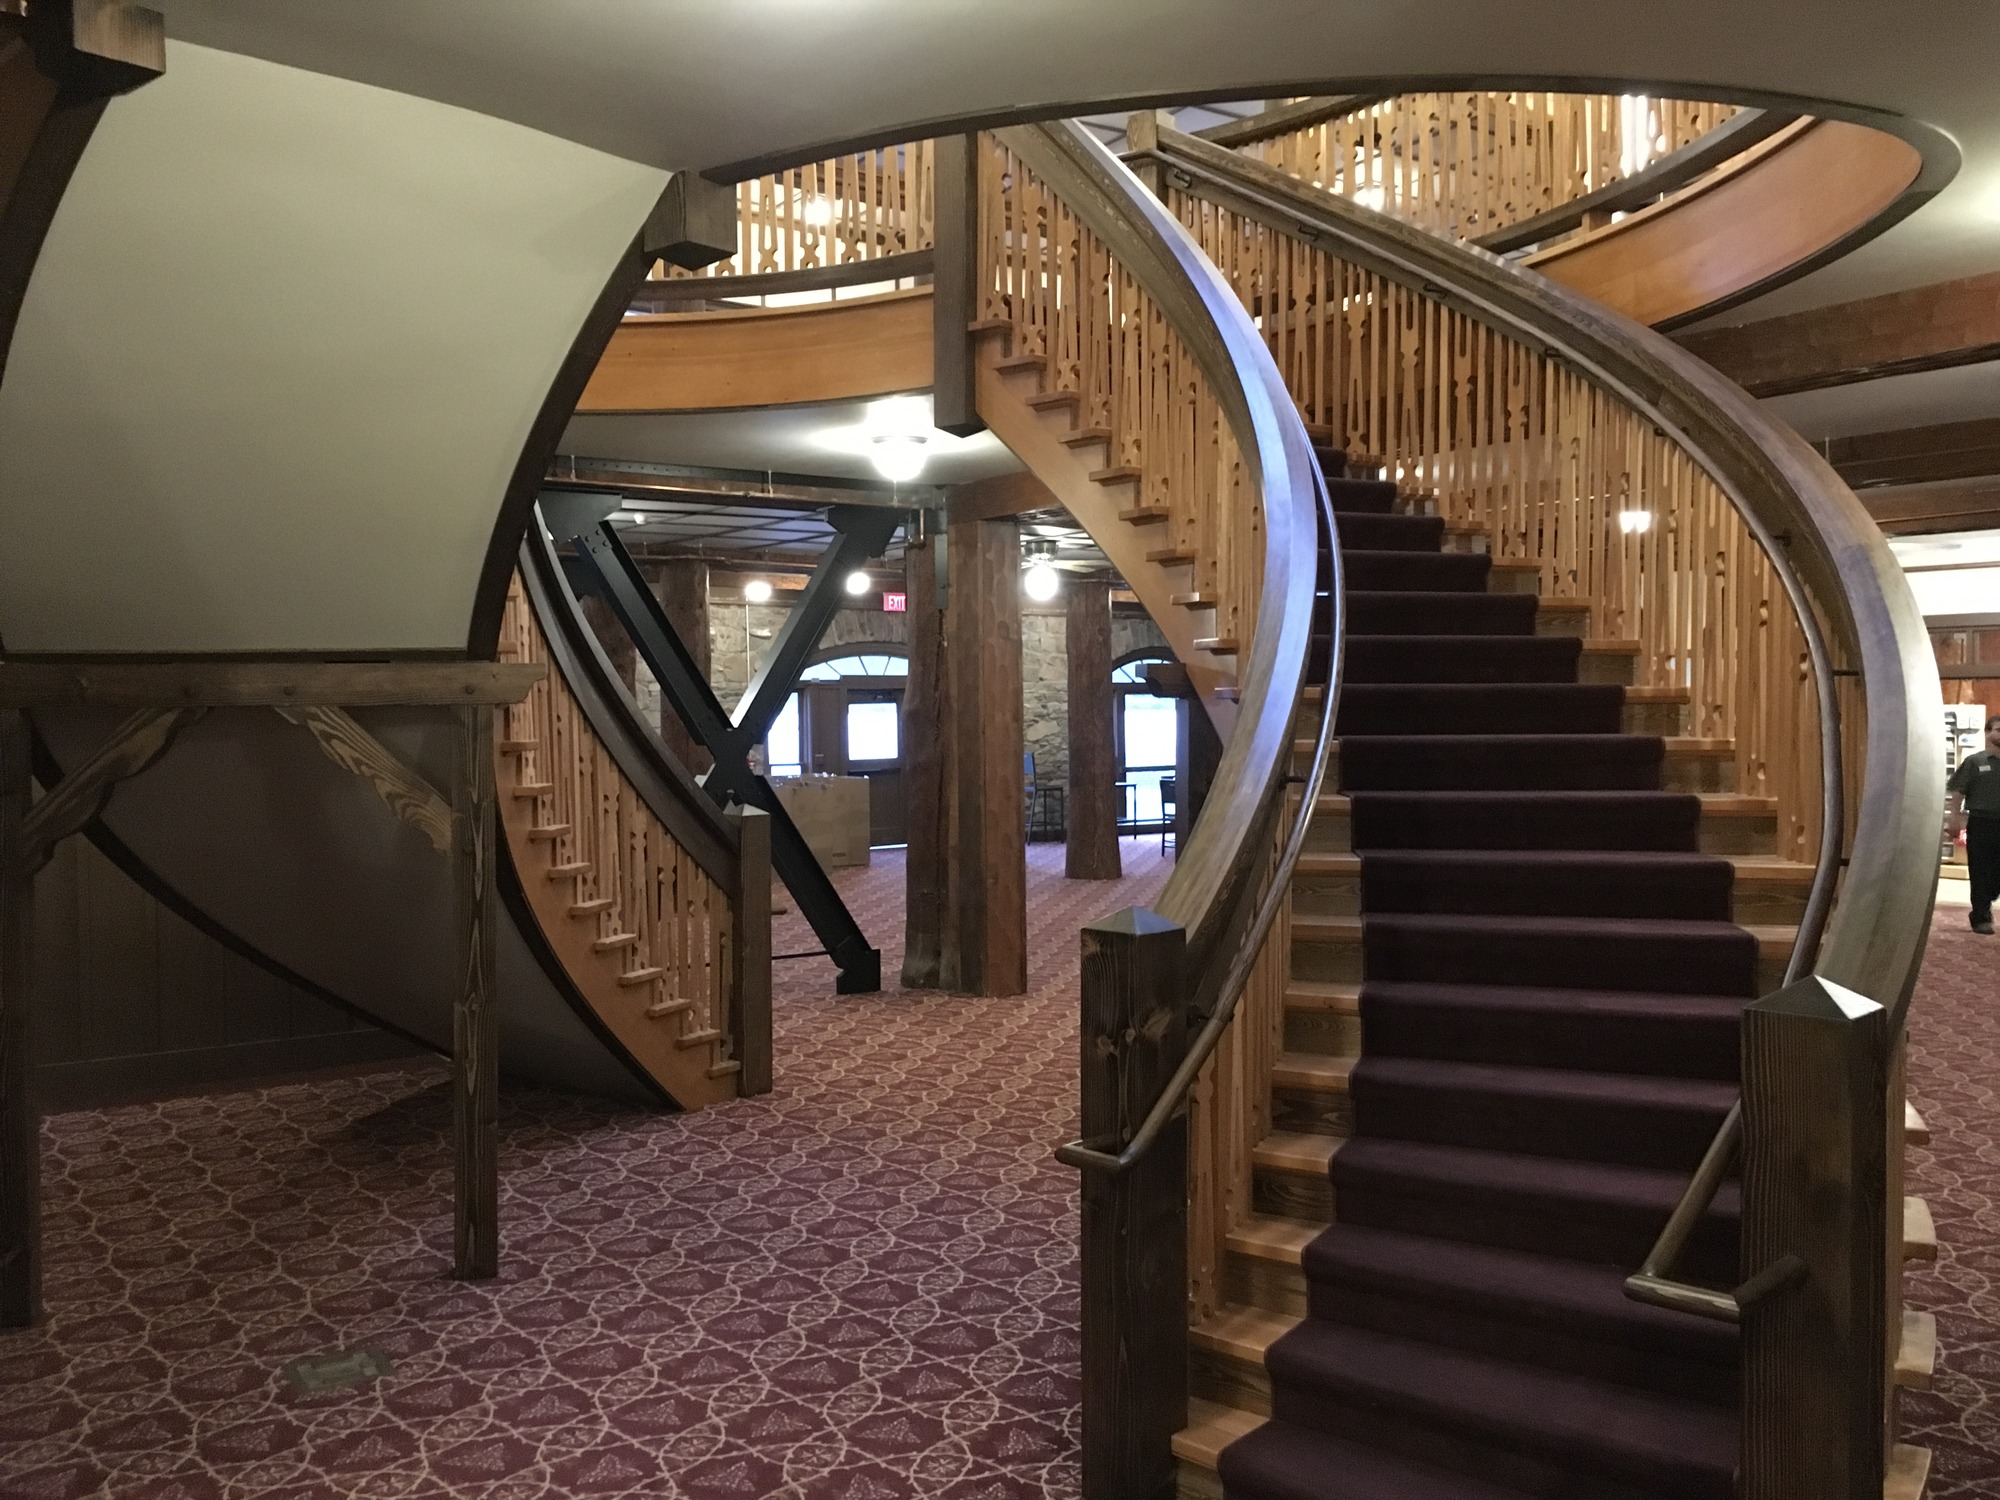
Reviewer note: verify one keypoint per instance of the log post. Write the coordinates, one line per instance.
(681, 586)
(20, 1114)
(955, 287)
(750, 1014)
(1135, 1344)
(475, 1029)
(924, 730)
(1815, 1179)
(1091, 852)
(984, 950)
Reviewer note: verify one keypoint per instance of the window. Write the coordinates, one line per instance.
(786, 753)
(874, 731)
(1147, 727)
(873, 664)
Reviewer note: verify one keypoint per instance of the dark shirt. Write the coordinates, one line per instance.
(1978, 778)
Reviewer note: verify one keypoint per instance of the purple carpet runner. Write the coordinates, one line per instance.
(1549, 1041)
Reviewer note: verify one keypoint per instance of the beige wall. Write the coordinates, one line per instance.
(279, 358)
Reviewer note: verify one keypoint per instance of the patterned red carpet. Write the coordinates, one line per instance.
(862, 1286)
(1955, 1082)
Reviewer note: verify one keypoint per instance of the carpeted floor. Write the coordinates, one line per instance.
(862, 1286)
(1955, 1082)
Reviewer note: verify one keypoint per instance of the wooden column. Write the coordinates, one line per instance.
(923, 767)
(955, 286)
(20, 1114)
(1092, 799)
(984, 949)
(1197, 754)
(1815, 1183)
(681, 586)
(475, 1029)
(750, 1011)
(1135, 1345)
(603, 623)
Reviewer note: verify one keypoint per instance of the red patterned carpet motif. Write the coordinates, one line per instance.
(861, 1287)
(1955, 1083)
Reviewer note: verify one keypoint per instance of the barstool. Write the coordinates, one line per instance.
(1169, 808)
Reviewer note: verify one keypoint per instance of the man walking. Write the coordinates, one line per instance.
(1975, 807)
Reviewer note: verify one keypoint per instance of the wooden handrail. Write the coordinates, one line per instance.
(1206, 893)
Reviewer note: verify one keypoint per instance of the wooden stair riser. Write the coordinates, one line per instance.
(1319, 1029)
(1307, 1107)
(1229, 1379)
(1756, 901)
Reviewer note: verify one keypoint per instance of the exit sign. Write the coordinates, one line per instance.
(895, 604)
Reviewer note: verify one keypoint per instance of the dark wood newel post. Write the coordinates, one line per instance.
(1815, 1179)
(750, 1015)
(475, 1021)
(1135, 1343)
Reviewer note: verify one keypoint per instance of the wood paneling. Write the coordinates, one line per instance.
(984, 947)
(1092, 850)
(1780, 204)
(873, 346)
(1926, 328)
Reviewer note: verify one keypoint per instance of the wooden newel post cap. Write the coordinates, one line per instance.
(1817, 999)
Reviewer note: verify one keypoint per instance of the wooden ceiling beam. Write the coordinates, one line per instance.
(1946, 324)
(1918, 455)
(1951, 505)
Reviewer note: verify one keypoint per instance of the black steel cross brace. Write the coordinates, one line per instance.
(860, 532)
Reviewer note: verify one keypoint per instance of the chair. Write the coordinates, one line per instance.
(1169, 810)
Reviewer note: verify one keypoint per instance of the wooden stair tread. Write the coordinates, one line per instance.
(1195, 600)
(1657, 695)
(724, 1068)
(1143, 515)
(1170, 557)
(1919, 1230)
(698, 1038)
(1116, 474)
(1052, 400)
(1679, 746)
(1295, 1152)
(1020, 362)
(1263, 1237)
(1916, 1355)
(1211, 1428)
(1241, 1333)
(1909, 1471)
(1751, 869)
(660, 1009)
(1609, 645)
(1713, 805)
(1336, 999)
(516, 747)
(990, 325)
(1915, 1131)
(1317, 1071)
(534, 789)
(1084, 436)
(641, 976)
(550, 831)
(592, 907)
(616, 940)
(569, 871)
(1218, 645)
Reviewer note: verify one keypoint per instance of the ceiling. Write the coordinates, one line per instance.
(689, 83)
(1962, 394)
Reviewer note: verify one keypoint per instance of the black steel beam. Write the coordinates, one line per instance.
(614, 577)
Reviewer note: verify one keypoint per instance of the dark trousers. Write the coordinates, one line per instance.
(1982, 856)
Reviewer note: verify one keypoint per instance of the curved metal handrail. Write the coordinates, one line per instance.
(1223, 851)
(1835, 566)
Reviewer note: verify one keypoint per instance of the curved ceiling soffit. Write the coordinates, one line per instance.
(57, 88)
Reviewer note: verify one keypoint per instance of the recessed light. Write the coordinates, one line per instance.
(757, 591)
(857, 582)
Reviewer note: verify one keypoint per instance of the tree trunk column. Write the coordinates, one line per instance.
(681, 586)
(984, 946)
(1092, 810)
(924, 732)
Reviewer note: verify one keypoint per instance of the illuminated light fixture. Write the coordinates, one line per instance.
(857, 582)
(898, 456)
(1634, 522)
(1039, 579)
(1375, 197)
(818, 212)
(756, 591)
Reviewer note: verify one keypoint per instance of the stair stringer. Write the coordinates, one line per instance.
(1036, 438)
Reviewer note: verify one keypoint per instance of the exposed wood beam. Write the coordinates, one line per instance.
(1950, 505)
(101, 683)
(996, 498)
(1932, 327)
(1918, 455)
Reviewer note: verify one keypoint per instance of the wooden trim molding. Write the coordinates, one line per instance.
(657, 295)
(756, 356)
(1783, 207)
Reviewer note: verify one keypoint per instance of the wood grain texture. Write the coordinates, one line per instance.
(107, 683)
(1135, 1226)
(356, 751)
(924, 773)
(954, 391)
(1779, 205)
(1092, 796)
(1815, 1185)
(750, 1010)
(872, 346)
(20, 1111)
(681, 585)
(80, 796)
(984, 945)
(475, 1015)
